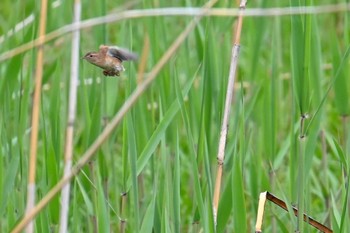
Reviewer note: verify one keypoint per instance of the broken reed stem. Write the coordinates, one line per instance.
(140, 89)
(71, 118)
(225, 121)
(35, 116)
(123, 199)
(277, 201)
(261, 210)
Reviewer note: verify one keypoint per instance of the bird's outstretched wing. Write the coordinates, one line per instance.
(121, 54)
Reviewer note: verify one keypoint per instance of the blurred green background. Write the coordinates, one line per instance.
(289, 66)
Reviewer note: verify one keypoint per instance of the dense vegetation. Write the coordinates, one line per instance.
(288, 134)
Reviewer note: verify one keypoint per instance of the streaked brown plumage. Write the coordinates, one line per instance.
(110, 59)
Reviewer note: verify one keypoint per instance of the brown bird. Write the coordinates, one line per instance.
(110, 59)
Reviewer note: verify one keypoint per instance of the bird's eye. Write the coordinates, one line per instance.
(90, 55)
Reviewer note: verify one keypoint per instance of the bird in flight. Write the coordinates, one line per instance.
(110, 59)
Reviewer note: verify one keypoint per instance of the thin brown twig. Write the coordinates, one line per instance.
(85, 158)
(225, 121)
(35, 117)
(306, 218)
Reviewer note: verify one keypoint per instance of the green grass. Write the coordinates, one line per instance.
(163, 155)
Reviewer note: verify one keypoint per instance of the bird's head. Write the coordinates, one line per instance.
(92, 57)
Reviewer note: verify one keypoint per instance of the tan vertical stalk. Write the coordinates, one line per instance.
(71, 117)
(261, 210)
(35, 116)
(225, 121)
(141, 88)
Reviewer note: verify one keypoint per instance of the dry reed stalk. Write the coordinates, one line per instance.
(261, 210)
(225, 121)
(133, 14)
(141, 88)
(71, 118)
(35, 116)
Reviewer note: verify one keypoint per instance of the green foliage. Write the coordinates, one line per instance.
(163, 156)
